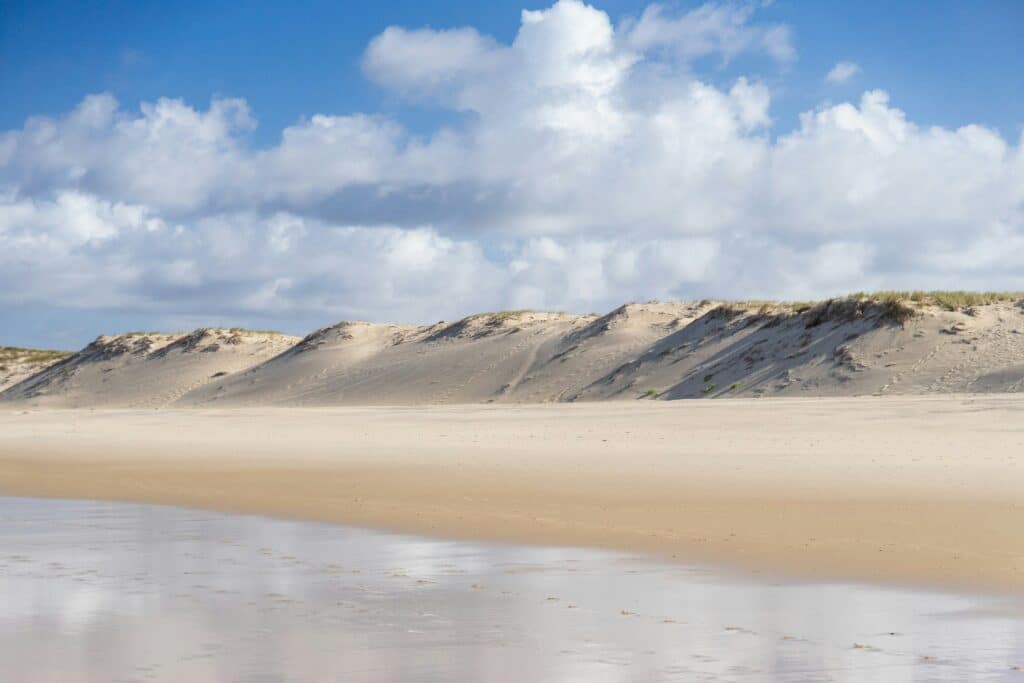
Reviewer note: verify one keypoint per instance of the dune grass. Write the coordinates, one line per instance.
(14, 354)
(231, 330)
(498, 316)
(143, 333)
(951, 300)
(895, 304)
(245, 330)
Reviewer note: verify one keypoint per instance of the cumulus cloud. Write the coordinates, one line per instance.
(422, 59)
(87, 252)
(593, 166)
(842, 72)
(169, 155)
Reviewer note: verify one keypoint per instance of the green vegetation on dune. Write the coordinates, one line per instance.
(230, 330)
(892, 304)
(14, 354)
(949, 300)
(505, 315)
(244, 330)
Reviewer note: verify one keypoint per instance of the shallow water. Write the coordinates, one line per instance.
(96, 591)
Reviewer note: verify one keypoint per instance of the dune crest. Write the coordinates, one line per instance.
(18, 364)
(146, 369)
(857, 345)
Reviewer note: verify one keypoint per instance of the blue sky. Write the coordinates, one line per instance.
(172, 165)
(946, 63)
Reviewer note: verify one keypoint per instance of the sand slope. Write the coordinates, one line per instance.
(644, 351)
(146, 370)
(846, 349)
(843, 347)
(17, 364)
(521, 356)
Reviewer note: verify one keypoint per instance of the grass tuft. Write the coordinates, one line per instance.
(498, 316)
(891, 305)
(245, 330)
(14, 354)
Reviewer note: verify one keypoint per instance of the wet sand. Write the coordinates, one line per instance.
(97, 591)
(913, 490)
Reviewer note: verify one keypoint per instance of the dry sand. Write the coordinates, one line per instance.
(146, 369)
(18, 364)
(669, 350)
(910, 489)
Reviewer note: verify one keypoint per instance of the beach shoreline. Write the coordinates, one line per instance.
(921, 490)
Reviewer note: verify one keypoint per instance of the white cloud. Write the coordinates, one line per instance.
(170, 155)
(722, 29)
(594, 166)
(869, 171)
(83, 251)
(842, 72)
(422, 59)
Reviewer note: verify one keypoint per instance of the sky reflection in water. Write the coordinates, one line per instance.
(98, 591)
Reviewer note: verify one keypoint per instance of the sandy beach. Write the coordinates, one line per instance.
(923, 490)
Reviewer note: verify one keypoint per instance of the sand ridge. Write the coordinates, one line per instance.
(18, 364)
(146, 369)
(650, 351)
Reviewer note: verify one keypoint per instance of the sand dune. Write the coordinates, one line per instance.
(146, 370)
(844, 347)
(517, 356)
(17, 364)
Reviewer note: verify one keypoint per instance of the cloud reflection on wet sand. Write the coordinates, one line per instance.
(115, 592)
